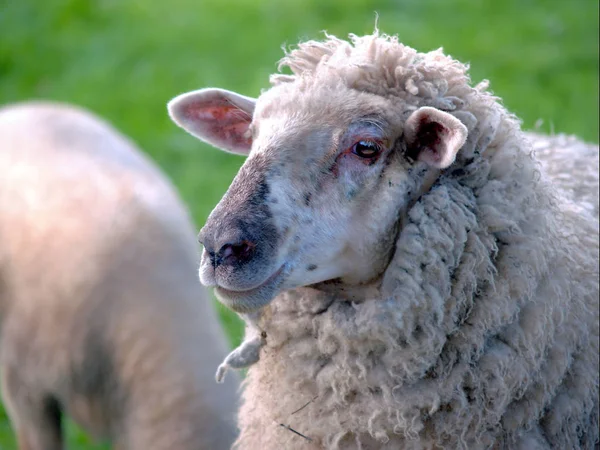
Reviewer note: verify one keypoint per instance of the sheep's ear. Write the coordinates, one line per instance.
(434, 136)
(216, 116)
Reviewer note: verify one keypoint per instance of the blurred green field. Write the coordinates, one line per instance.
(124, 59)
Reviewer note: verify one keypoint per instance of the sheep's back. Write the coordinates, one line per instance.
(572, 164)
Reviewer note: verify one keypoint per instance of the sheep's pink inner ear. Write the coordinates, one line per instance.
(434, 136)
(216, 116)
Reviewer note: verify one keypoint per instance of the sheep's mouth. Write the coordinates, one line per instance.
(249, 300)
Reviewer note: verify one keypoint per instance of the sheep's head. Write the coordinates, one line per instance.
(330, 170)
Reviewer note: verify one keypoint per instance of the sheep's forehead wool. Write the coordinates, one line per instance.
(334, 82)
(376, 63)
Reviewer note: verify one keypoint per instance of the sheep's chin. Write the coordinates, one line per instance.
(252, 299)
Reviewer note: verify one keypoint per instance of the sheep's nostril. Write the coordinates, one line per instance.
(236, 253)
(226, 251)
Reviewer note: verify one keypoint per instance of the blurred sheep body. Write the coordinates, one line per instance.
(102, 315)
(572, 165)
(438, 285)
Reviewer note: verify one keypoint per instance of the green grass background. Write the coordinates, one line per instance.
(124, 59)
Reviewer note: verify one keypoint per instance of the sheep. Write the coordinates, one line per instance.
(573, 166)
(102, 316)
(411, 276)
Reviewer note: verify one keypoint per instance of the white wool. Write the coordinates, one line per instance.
(484, 332)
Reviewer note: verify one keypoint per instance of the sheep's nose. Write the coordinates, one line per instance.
(237, 253)
(230, 251)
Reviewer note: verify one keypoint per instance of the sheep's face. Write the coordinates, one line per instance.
(329, 174)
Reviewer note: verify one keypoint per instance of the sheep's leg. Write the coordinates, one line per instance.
(36, 418)
(40, 430)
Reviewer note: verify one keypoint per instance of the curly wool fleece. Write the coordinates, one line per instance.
(484, 329)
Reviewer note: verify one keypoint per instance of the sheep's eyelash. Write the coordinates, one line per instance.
(368, 128)
(374, 122)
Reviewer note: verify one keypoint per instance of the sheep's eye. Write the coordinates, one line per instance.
(366, 149)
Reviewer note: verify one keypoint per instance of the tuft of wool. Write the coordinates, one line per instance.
(484, 330)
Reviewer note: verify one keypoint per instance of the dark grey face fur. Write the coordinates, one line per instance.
(240, 238)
